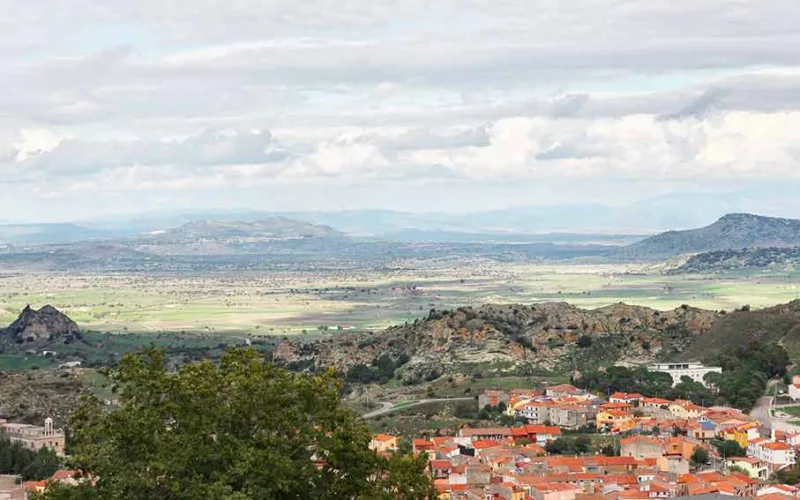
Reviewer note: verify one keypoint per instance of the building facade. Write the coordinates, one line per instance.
(692, 369)
(34, 437)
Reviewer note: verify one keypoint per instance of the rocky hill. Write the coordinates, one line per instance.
(733, 231)
(47, 325)
(511, 338)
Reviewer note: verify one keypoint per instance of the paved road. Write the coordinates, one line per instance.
(761, 411)
(390, 407)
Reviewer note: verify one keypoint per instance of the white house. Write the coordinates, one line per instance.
(776, 455)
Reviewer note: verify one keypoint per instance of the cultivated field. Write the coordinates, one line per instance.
(284, 303)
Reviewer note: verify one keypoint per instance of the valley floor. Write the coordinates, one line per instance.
(292, 303)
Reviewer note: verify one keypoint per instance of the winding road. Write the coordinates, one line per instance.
(391, 407)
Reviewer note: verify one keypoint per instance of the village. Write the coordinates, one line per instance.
(660, 449)
(651, 448)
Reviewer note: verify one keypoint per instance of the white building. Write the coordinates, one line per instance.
(794, 388)
(692, 369)
(776, 455)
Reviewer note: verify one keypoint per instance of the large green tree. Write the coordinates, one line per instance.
(245, 429)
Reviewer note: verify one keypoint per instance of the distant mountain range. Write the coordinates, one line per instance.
(731, 232)
(256, 234)
(272, 228)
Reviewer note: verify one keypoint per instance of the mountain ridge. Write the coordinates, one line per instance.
(731, 232)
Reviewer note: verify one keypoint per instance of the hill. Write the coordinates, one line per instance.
(541, 338)
(272, 228)
(733, 231)
(746, 258)
(510, 339)
(47, 325)
(780, 323)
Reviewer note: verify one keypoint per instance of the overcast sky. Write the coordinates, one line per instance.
(121, 106)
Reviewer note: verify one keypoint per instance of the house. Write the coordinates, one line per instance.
(615, 421)
(654, 403)
(537, 412)
(420, 446)
(685, 410)
(641, 447)
(619, 405)
(495, 433)
(569, 416)
(541, 434)
(624, 397)
(703, 431)
(752, 466)
(776, 455)
(383, 443)
(562, 390)
(554, 491)
(745, 433)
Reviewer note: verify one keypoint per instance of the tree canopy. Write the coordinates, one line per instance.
(245, 429)
(31, 465)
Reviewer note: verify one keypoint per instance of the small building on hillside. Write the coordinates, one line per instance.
(492, 399)
(383, 443)
(692, 369)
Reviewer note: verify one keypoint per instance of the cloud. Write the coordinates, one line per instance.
(207, 149)
(193, 95)
(700, 107)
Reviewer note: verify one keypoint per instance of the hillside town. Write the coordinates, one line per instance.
(660, 449)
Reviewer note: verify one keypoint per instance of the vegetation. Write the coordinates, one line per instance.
(745, 372)
(729, 448)
(31, 465)
(620, 378)
(382, 369)
(244, 429)
(580, 445)
(700, 456)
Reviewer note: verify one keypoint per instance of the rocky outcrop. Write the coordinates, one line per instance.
(513, 338)
(47, 325)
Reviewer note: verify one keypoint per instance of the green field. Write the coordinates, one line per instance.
(10, 362)
(791, 410)
(287, 303)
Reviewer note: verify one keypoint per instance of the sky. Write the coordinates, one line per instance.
(120, 107)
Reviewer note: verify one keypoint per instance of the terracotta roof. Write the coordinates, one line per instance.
(440, 464)
(486, 431)
(776, 446)
(383, 437)
(62, 474)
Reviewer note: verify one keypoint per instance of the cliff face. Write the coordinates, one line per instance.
(514, 338)
(45, 325)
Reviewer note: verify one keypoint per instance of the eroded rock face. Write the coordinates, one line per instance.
(47, 324)
(508, 337)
